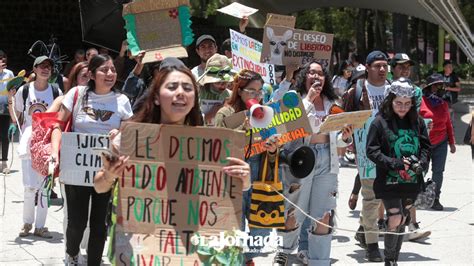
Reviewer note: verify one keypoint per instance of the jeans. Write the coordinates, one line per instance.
(316, 195)
(77, 210)
(439, 153)
(393, 243)
(254, 163)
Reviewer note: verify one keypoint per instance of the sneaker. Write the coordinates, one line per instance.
(25, 231)
(390, 262)
(72, 260)
(4, 168)
(342, 162)
(373, 253)
(42, 232)
(360, 237)
(437, 206)
(281, 259)
(415, 232)
(302, 255)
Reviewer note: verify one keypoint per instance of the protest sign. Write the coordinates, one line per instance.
(207, 105)
(173, 187)
(160, 28)
(238, 10)
(338, 121)
(78, 163)
(280, 20)
(365, 166)
(289, 120)
(288, 46)
(246, 55)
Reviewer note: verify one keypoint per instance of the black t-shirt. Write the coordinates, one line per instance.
(450, 81)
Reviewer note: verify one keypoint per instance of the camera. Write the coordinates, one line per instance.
(415, 165)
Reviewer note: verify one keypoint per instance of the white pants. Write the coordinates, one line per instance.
(32, 184)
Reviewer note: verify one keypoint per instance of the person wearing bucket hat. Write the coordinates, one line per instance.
(214, 82)
(205, 48)
(401, 68)
(435, 108)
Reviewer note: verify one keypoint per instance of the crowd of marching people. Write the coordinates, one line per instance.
(411, 128)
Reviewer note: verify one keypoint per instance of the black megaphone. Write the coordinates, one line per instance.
(301, 161)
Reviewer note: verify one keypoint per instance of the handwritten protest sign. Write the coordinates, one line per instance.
(173, 187)
(238, 10)
(289, 120)
(160, 28)
(365, 166)
(246, 55)
(280, 20)
(288, 46)
(338, 121)
(78, 163)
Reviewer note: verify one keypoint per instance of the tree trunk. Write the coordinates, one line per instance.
(360, 22)
(380, 27)
(400, 33)
(414, 22)
(370, 32)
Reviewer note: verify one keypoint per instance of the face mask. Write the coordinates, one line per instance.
(434, 99)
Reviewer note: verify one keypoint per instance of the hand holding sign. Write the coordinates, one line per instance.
(240, 169)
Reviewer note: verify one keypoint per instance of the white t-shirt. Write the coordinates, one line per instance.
(5, 74)
(101, 113)
(376, 95)
(37, 101)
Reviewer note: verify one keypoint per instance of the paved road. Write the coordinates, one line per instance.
(451, 242)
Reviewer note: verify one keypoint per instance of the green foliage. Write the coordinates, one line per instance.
(206, 8)
(341, 20)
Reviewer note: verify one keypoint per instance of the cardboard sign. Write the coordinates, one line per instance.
(78, 163)
(280, 20)
(365, 166)
(238, 10)
(207, 105)
(246, 55)
(288, 46)
(338, 121)
(289, 120)
(160, 28)
(173, 187)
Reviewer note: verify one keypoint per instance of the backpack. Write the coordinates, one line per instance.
(26, 90)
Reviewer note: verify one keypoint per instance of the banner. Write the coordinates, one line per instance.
(337, 122)
(365, 166)
(246, 55)
(280, 20)
(289, 120)
(288, 46)
(160, 28)
(78, 163)
(172, 188)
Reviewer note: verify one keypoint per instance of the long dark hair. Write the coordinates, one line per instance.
(300, 85)
(94, 64)
(151, 113)
(343, 65)
(241, 80)
(386, 109)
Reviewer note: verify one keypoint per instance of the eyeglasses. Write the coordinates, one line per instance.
(254, 93)
(401, 105)
(107, 69)
(172, 86)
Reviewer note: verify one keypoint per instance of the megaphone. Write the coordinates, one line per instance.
(260, 115)
(301, 161)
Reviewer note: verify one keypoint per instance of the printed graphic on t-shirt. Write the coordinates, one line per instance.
(404, 144)
(96, 114)
(37, 106)
(376, 101)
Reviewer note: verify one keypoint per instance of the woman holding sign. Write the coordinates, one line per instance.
(96, 109)
(399, 145)
(316, 194)
(173, 101)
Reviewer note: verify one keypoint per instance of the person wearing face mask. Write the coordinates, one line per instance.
(214, 82)
(315, 194)
(100, 110)
(399, 146)
(435, 108)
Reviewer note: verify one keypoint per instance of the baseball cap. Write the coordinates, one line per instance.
(375, 56)
(434, 79)
(203, 38)
(41, 59)
(401, 58)
(171, 62)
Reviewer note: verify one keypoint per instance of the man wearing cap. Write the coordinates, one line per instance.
(205, 48)
(401, 68)
(40, 97)
(214, 82)
(368, 94)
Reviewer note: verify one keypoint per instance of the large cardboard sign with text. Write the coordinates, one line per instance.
(246, 55)
(78, 163)
(173, 187)
(288, 46)
(337, 122)
(289, 120)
